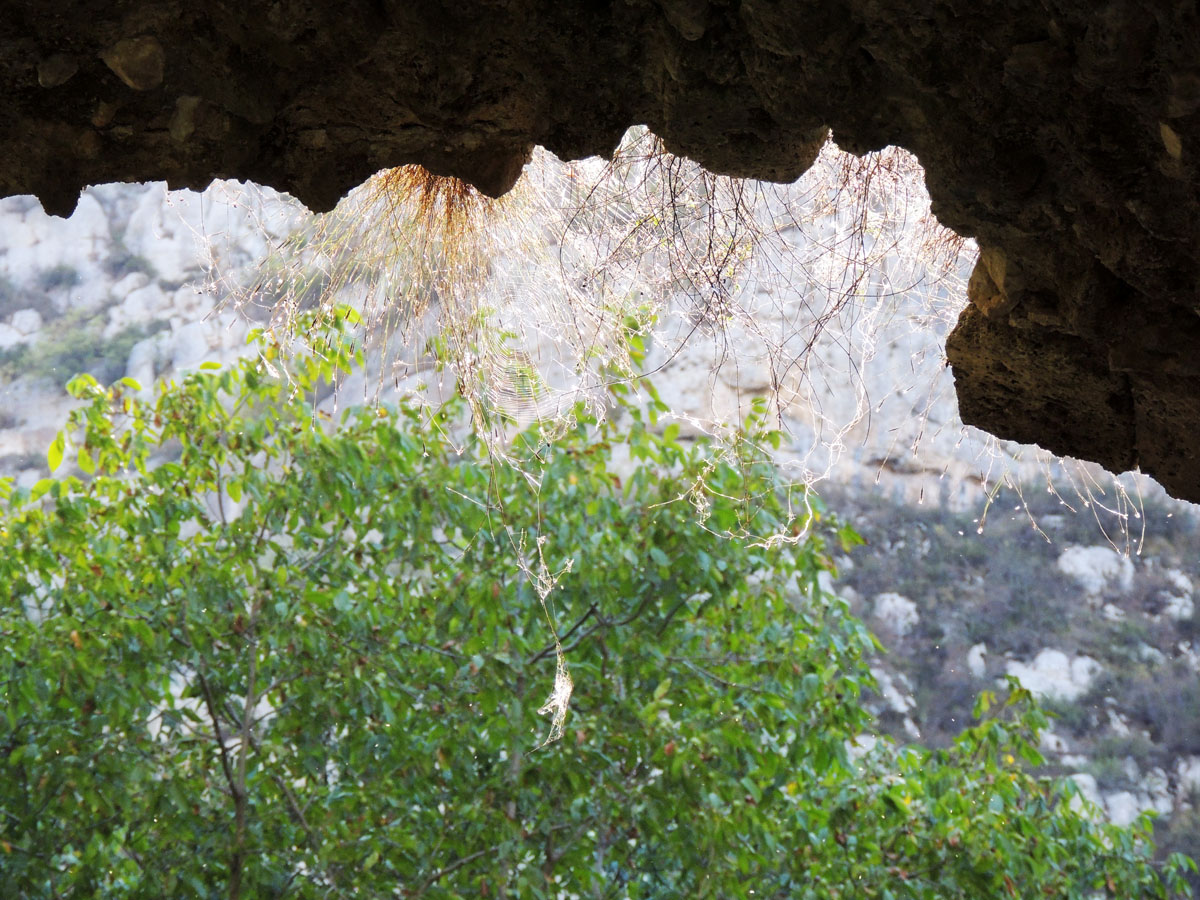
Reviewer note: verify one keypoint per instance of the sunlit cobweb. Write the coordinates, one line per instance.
(529, 301)
(817, 296)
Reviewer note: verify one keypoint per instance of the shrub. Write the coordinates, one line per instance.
(12, 298)
(58, 278)
(1181, 834)
(74, 345)
(1165, 703)
(329, 684)
(121, 261)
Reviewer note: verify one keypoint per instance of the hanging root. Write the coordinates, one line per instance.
(442, 202)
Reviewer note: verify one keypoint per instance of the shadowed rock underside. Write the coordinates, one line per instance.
(1061, 134)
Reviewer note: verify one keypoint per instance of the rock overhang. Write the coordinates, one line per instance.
(1060, 135)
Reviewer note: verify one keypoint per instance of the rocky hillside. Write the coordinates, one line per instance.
(972, 569)
(121, 288)
(1110, 640)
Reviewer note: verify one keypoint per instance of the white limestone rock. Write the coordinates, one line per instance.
(1113, 613)
(1054, 675)
(90, 295)
(1178, 608)
(1122, 807)
(27, 321)
(896, 699)
(130, 283)
(1130, 767)
(27, 478)
(165, 229)
(977, 660)
(1151, 655)
(145, 303)
(192, 302)
(1096, 569)
(189, 346)
(1089, 790)
(1180, 581)
(146, 358)
(182, 233)
(229, 332)
(1118, 724)
(1052, 743)
(10, 337)
(1187, 777)
(826, 583)
(862, 745)
(1156, 795)
(897, 613)
(1187, 653)
(42, 243)
(750, 371)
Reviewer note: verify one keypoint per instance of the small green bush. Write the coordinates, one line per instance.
(1165, 703)
(74, 345)
(1180, 834)
(12, 297)
(1073, 719)
(58, 278)
(122, 261)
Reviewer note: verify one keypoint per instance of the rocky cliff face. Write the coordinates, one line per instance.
(1060, 134)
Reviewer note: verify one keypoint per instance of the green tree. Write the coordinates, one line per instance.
(294, 659)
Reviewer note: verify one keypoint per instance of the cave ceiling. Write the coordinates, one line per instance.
(1060, 134)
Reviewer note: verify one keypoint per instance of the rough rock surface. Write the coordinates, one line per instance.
(1055, 675)
(1060, 134)
(896, 613)
(1095, 568)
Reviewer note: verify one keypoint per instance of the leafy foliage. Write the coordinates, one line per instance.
(304, 660)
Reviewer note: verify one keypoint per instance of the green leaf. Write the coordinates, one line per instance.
(54, 456)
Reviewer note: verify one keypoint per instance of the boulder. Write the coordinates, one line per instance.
(189, 346)
(145, 358)
(1122, 807)
(1054, 675)
(145, 303)
(10, 337)
(977, 660)
(1097, 569)
(27, 321)
(1088, 789)
(896, 613)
